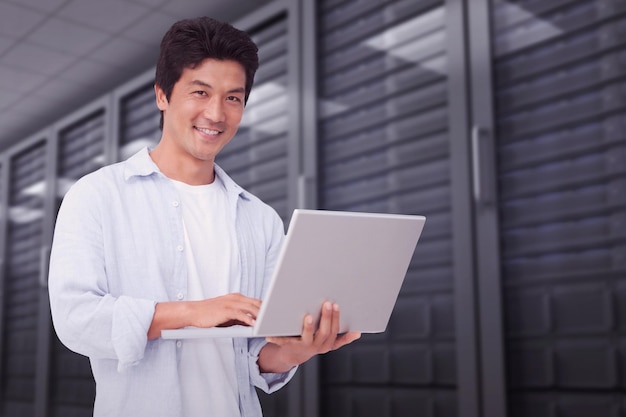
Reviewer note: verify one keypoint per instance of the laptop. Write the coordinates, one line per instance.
(357, 260)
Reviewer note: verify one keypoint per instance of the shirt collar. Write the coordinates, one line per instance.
(142, 165)
(230, 185)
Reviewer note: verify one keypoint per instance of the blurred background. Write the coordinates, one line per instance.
(501, 121)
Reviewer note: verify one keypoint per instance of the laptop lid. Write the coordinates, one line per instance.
(357, 260)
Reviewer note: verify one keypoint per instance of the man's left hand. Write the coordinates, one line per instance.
(283, 353)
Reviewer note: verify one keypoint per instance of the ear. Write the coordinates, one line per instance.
(161, 98)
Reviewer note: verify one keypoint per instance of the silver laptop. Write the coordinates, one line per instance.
(358, 260)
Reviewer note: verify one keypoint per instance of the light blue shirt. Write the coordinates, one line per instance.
(119, 249)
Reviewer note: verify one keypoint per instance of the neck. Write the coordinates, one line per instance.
(184, 168)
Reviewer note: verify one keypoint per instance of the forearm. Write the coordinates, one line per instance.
(219, 311)
(271, 360)
(169, 315)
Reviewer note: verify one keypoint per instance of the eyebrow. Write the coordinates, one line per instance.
(203, 84)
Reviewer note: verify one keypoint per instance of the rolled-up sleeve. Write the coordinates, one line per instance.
(267, 382)
(131, 320)
(87, 318)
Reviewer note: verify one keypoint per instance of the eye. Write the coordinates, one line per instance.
(234, 98)
(200, 93)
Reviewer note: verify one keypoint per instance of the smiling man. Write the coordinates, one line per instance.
(166, 240)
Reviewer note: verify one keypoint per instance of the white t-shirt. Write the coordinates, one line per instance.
(207, 366)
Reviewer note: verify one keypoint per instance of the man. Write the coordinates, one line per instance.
(166, 240)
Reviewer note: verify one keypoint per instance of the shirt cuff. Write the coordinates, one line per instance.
(267, 382)
(132, 318)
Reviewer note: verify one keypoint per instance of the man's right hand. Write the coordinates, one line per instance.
(224, 310)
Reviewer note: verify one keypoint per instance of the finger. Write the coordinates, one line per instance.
(237, 319)
(243, 313)
(255, 302)
(242, 297)
(245, 305)
(346, 339)
(308, 330)
(325, 325)
(249, 310)
(284, 340)
(252, 302)
(274, 340)
(248, 319)
(334, 329)
(243, 300)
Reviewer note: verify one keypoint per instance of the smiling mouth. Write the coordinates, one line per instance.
(211, 132)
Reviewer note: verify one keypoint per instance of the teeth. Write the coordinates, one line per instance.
(208, 131)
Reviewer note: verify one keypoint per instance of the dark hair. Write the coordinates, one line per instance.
(189, 42)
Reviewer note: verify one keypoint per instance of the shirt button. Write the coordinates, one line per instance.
(179, 343)
(179, 248)
(175, 203)
(180, 296)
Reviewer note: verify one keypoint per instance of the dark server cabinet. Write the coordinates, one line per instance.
(22, 279)
(385, 145)
(559, 103)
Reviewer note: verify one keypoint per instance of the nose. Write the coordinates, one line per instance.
(214, 110)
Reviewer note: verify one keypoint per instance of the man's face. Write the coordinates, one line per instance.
(204, 109)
